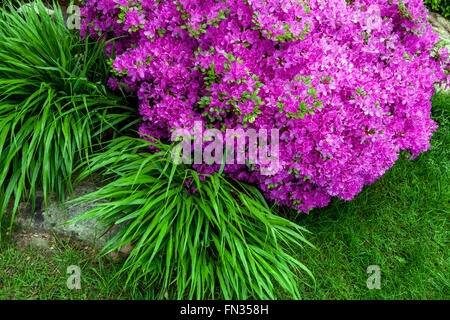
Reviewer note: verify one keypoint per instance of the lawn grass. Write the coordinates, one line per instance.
(30, 272)
(36, 273)
(399, 223)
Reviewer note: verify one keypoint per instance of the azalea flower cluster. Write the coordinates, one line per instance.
(347, 82)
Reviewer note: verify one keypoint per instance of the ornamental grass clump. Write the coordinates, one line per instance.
(222, 241)
(347, 83)
(54, 104)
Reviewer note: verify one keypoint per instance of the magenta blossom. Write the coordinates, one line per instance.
(347, 83)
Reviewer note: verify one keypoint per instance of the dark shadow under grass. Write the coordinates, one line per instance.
(399, 223)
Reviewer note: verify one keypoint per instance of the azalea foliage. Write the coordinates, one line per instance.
(347, 83)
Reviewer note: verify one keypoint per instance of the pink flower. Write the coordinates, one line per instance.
(347, 85)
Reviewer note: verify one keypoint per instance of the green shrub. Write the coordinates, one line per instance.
(194, 236)
(440, 6)
(54, 106)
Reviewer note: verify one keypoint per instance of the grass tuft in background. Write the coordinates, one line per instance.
(54, 105)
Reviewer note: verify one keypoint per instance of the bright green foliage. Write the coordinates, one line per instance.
(215, 239)
(54, 107)
(440, 6)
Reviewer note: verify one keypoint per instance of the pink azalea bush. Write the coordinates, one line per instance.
(347, 83)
